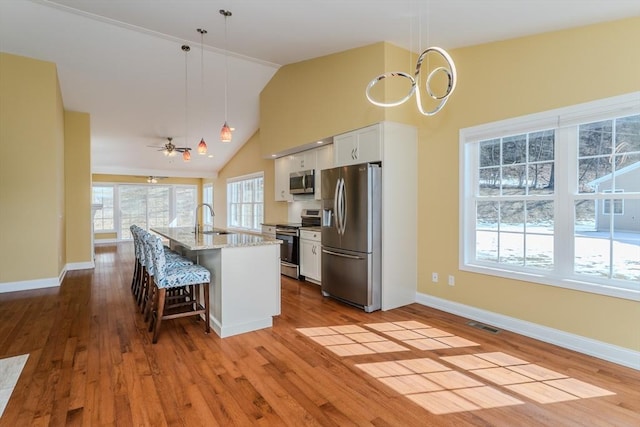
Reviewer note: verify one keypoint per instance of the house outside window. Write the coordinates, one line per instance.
(618, 204)
(537, 196)
(245, 202)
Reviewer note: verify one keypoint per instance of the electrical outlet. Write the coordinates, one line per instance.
(452, 280)
(434, 277)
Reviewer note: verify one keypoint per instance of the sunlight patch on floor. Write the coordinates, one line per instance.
(457, 384)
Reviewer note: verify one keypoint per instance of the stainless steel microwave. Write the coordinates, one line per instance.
(302, 182)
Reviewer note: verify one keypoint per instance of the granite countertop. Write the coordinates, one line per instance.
(185, 236)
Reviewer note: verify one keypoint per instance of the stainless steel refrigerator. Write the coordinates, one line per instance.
(351, 247)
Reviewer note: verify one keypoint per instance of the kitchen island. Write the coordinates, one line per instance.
(245, 275)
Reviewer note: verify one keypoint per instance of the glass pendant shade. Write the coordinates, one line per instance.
(225, 133)
(186, 155)
(202, 147)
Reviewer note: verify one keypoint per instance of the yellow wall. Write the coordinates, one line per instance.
(325, 96)
(508, 79)
(318, 98)
(247, 161)
(77, 152)
(31, 170)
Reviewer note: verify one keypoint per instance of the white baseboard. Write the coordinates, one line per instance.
(105, 241)
(87, 265)
(609, 352)
(27, 285)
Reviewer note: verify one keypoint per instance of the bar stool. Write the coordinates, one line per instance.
(173, 259)
(166, 278)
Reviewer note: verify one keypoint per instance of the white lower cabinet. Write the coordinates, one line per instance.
(310, 255)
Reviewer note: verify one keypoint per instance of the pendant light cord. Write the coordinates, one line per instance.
(186, 50)
(226, 65)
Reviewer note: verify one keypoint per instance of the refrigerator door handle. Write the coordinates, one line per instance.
(336, 198)
(324, 251)
(344, 207)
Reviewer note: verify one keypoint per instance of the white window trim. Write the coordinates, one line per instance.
(116, 201)
(115, 207)
(207, 219)
(564, 120)
(237, 179)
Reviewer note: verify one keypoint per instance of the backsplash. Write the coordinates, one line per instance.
(295, 208)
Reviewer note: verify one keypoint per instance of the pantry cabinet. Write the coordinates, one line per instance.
(324, 160)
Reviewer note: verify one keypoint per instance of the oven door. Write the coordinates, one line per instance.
(289, 246)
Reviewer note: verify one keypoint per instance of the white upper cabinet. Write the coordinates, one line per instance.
(282, 171)
(315, 159)
(303, 161)
(358, 146)
(324, 160)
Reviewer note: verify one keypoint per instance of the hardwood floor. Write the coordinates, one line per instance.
(91, 362)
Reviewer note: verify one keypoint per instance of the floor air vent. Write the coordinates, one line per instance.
(484, 327)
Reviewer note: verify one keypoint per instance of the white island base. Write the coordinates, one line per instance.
(244, 289)
(245, 276)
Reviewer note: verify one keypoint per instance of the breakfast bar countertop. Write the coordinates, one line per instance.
(186, 237)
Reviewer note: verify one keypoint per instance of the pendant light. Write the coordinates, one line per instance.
(202, 146)
(225, 132)
(186, 154)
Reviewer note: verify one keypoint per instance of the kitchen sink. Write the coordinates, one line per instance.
(219, 232)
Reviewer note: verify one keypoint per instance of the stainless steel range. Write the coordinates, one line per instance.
(290, 236)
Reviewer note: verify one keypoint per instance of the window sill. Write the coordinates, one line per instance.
(573, 284)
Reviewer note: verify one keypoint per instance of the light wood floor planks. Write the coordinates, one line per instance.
(91, 362)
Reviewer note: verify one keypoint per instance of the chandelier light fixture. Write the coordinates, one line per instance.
(186, 154)
(202, 146)
(449, 70)
(225, 132)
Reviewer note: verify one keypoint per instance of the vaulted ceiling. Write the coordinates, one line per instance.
(122, 62)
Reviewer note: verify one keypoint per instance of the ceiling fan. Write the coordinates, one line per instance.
(154, 179)
(169, 149)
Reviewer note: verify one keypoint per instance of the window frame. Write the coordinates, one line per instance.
(117, 221)
(242, 179)
(565, 121)
(114, 208)
(207, 197)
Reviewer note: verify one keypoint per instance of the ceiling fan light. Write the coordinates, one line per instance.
(225, 133)
(186, 155)
(202, 147)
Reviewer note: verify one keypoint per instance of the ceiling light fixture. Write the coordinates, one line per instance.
(449, 71)
(186, 154)
(225, 132)
(202, 146)
(152, 180)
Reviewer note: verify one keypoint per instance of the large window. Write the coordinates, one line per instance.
(144, 205)
(245, 202)
(103, 219)
(207, 197)
(554, 197)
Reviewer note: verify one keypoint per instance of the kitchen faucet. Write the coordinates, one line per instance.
(197, 224)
